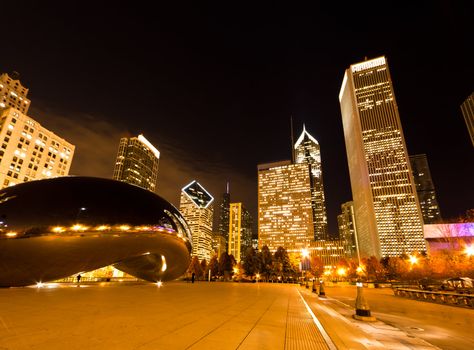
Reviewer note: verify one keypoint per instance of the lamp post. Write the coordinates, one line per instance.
(304, 266)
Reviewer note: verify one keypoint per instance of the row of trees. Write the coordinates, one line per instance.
(279, 266)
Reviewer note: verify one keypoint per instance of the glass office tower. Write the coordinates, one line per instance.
(388, 217)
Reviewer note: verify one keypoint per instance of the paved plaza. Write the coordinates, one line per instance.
(181, 315)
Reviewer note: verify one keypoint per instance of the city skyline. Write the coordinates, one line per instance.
(215, 95)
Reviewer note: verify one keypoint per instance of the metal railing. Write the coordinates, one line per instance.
(447, 298)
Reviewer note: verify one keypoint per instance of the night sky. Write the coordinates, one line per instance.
(213, 85)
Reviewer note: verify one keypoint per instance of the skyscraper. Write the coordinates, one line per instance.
(137, 162)
(307, 151)
(425, 189)
(285, 215)
(388, 217)
(196, 207)
(224, 214)
(240, 231)
(347, 230)
(12, 93)
(28, 151)
(467, 109)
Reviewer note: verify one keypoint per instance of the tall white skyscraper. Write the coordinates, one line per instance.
(196, 206)
(307, 151)
(388, 217)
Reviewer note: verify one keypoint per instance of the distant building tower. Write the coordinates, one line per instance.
(219, 244)
(389, 221)
(285, 215)
(224, 214)
(196, 207)
(12, 93)
(240, 231)
(137, 163)
(347, 230)
(29, 151)
(425, 189)
(307, 151)
(467, 109)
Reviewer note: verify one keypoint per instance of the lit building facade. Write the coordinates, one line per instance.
(28, 151)
(307, 151)
(425, 189)
(196, 207)
(219, 244)
(330, 252)
(347, 230)
(137, 163)
(12, 93)
(449, 238)
(240, 231)
(389, 220)
(467, 109)
(285, 215)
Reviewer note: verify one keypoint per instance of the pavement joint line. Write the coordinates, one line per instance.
(318, 324)
(256, 322)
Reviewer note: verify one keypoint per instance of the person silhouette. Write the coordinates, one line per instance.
(192, 277)
(78, 278)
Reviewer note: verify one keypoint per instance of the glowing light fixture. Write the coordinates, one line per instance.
(469, 250)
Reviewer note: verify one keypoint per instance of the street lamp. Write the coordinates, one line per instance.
(304, 265)
(341, 272)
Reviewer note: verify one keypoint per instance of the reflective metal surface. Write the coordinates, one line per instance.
(50, 229)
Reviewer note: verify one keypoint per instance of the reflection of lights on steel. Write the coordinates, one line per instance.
(469, 250)
(124, 227)
(142, 228)
(78, 227)
(58, 229)
(102, 228)
(11, 234)
(159, 283)
(163, 264)
(39, 285)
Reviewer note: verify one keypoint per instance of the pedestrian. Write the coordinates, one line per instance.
(78, 278)
(192, 277)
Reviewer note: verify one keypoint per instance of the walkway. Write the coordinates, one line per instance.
(177, 315)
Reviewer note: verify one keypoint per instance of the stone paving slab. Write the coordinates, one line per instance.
(178, 315)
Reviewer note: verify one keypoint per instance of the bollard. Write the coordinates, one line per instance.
(314, 286)
(362, 307)
(322, 293)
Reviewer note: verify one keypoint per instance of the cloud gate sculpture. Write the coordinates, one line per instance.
(54, 228)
